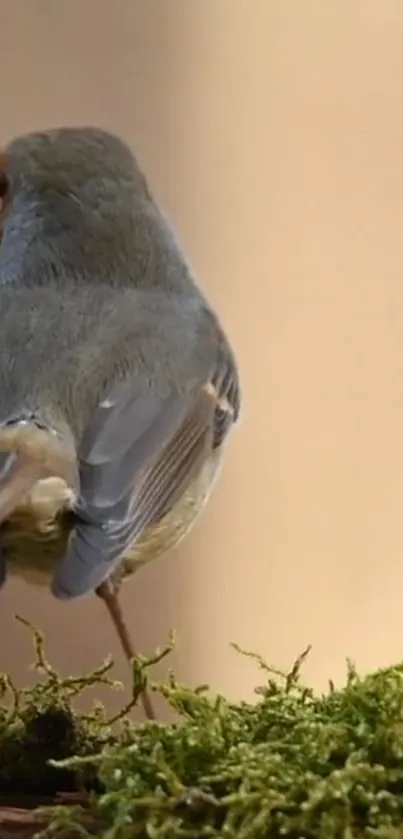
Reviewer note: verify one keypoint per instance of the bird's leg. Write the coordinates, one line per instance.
(108, 592)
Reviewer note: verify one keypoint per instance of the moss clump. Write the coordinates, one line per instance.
(38, 724)
(294, 764)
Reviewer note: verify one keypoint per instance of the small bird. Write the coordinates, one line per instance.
(118, 386)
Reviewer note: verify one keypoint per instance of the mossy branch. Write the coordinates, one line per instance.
(293, 764)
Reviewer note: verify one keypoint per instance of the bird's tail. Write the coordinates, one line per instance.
(37, 454)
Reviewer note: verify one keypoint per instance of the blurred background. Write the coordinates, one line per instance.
(272, 133)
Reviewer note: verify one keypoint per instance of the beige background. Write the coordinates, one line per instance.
(272, 131)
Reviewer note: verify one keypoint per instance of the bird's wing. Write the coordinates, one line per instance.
(143, 448)
(136, 459)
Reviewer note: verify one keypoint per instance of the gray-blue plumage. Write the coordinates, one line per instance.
(106, 340)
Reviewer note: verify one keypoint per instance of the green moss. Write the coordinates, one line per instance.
(294, 764)
(38, 724)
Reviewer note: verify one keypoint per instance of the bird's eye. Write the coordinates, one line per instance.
(3, 184)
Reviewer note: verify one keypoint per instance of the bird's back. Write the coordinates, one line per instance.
(86, 298)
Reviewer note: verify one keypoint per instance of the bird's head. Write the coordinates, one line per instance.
(67, 161)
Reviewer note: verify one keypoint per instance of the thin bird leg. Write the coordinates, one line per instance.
(108, 593)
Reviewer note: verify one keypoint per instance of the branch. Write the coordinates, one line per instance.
(22, 823)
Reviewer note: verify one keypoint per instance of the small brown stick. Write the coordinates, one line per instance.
(78, 798)
(19, 823)
(108, 593)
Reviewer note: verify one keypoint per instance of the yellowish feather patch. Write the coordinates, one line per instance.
(36, 535)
